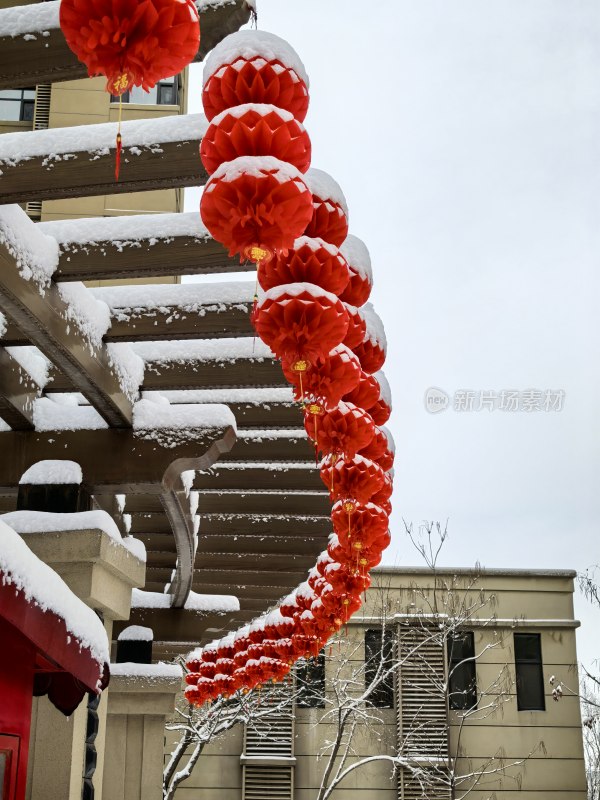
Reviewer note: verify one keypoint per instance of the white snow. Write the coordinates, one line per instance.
(296, 289)
(97, 140)
(385, 392)
(262, 109)
(136, 633)
(128, 367)
(258, 396)
(91, 316)
(51, 522)
(388, 435)
(24, 20)
(250, 44)
(281, 433)
(183, 351)
(51, 415)
(122, 232)
(256, 167)
(217, 603)
(375, 331)
(148, 415)
(42, 586)
(128, 669)
(315, 243)
(135, 546)
(323, 186)
(193, 298)
(52, 472)
(357, 255)
(35, 253)
(33, 361)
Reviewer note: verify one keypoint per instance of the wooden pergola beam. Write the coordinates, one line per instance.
(175, 624)
(30, 57)
(17, 394)
(43, 318)
(280, 502)
(260, 476)
(266, 525)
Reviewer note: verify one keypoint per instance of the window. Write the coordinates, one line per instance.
(17, 104)
(528, 667)
(462, 678)
(165, 93)
(310, 682)
(379, 660)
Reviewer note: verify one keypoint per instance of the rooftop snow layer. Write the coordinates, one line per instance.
(149, 415)
(216, 603)
(183, 351)
(136, 633)
(189, 297)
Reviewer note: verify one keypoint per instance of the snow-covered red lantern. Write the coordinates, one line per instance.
(346, 580)
(255, 129)
(345, 430)
(301, 323)
(372, 350)
(357, 327)
(254, 67)
(365, 520)
(255, 206)
(131, 42)
(382, 409)
(353, 480)
(278, 626)
(366, 393)
(308, 261)
(359, 286)
(323, 561)
(381, 449)
(335, 376)
(330, 210)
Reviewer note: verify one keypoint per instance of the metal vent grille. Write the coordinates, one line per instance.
(267, 783)
(270, 735)
(41, 120)
(422, 713)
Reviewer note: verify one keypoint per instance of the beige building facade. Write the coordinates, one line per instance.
(516, 630)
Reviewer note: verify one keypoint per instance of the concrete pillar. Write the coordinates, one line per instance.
(141, 698)
(101, 572)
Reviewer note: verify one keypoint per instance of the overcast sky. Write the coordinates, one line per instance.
(465, 136)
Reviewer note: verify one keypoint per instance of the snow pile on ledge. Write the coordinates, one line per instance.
(53, 471)
(253, 44)
(91, 316)
(50, 415)
(148, 415)
(323, 186)
(197, 298)
(214, 603)
(128, 367)
(136, 633)
(42, 586)
(259, 396)
(23, 20)
(128, 669)
(97, 140)
(33, 361)
(135, 546)
(35, 253)
(51, 522)
(121, 232)
(184, 351)
(357, 255)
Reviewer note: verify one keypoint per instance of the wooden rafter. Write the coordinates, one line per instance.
(18, 391)
(30, 58)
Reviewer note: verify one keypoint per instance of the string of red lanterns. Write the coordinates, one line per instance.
(263, 203)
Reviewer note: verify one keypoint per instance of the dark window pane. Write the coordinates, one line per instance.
(27, 110)
(310, 682)
(379, 664)
(166, 94)
(462, 671)
(529, 672)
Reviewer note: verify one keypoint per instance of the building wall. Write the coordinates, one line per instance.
(544, 747)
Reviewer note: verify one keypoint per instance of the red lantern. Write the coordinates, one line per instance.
(344, 430)
(255, 129)
(131, 42)
(330, 212)
(371, 351)
(277, 626)
(323, 561)
(335, 376)
(207, 669)
(301, 323)
(255, 206)
(353, 480)
(382, 410)
(361, 275)
(254, 67)
(366, 521)
(346, 580)
(380, 449)
(309, 261)
(210, 652)
(289, 607)
(366, 393)
(357, 327)
(305, 595)
(224, 684)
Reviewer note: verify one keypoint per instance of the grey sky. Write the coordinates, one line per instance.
(465, 135)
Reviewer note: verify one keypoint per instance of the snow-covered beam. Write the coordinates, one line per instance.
(260, 475)
(176, 624)
(59, 163)
(18, 391)
(33, 49)
(281, 502)
(137, 246)
(292, 525)
(31, 301)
